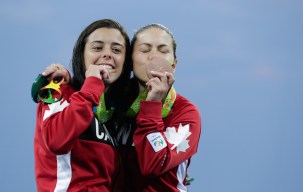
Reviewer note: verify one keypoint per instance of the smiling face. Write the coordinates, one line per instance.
(151, 43)
(106, 46)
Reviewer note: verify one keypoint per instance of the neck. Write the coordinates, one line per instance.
(105, 89)
(141, 85)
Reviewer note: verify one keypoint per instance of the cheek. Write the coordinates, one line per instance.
(121, 60)
(90, 58)
(140, 71)
(139, 59)
(139, 64)
(170, 58)
(86, 62)
(119, 63)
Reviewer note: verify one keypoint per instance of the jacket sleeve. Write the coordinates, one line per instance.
(63, 122)
(160, 146)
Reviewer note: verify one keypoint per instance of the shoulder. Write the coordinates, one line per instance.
(182, 102)
(67, 91)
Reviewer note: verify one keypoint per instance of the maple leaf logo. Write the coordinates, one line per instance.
(55, 107)
(178, 138)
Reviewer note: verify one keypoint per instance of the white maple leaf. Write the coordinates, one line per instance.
(55, 107)
(178, 138)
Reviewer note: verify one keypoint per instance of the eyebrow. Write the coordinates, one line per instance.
(102, 42)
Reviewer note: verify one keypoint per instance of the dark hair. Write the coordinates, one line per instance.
(78, 65)
(155, 25)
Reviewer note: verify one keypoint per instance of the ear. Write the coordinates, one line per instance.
(175, 65)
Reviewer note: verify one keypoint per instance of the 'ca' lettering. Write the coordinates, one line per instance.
(100, 135)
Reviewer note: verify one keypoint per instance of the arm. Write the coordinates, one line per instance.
(57, 70)
(63, 122)
(163, 144)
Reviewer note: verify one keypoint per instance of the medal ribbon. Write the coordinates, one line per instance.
(100, 111)
(166, 107)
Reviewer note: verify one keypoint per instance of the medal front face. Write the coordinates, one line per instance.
(48, 92)
(158, 64)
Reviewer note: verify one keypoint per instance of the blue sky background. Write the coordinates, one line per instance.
(240, 62)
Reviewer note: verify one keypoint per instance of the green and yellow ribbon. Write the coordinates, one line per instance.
(166, 107)
(102, 114)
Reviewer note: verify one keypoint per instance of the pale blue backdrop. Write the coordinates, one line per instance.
(240, 62)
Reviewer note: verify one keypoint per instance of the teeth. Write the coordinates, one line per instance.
(108, 66)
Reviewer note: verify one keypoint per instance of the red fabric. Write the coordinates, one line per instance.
(157, 171)
(94, 165)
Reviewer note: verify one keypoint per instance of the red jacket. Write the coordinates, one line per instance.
(72, 151)
(160, 154)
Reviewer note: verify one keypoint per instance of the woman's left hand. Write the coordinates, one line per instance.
(159, 85)
(57, 70)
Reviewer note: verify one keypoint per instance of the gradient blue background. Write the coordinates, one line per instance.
(240, 62)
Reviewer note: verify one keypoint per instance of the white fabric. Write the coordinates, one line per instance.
(181, 174)
(64, 172)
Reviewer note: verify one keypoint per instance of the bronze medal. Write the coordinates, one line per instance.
(160, 65)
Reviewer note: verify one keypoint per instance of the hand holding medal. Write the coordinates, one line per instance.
(46, 87)
(160, 73)
(158, 65)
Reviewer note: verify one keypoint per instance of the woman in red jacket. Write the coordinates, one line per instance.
(163, 127)
(74, 147)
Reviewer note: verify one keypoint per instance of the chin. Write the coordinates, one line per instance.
(142, 80)
(109, 81)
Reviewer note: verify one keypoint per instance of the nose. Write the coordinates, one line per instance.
(107, 54)
(152, 55)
